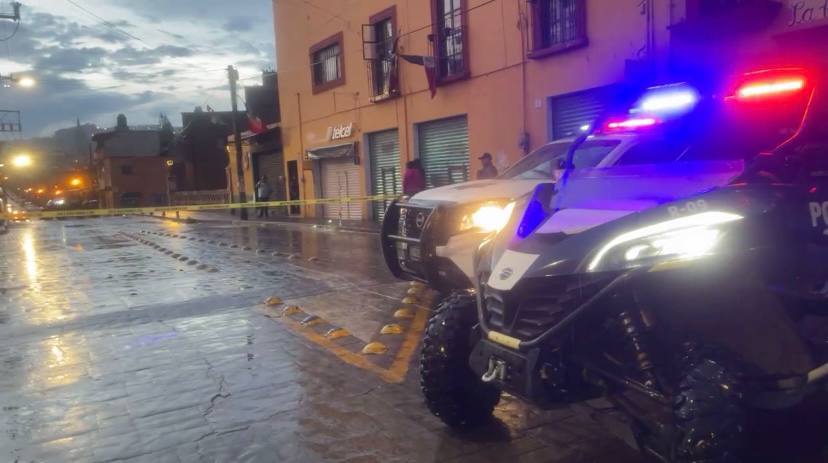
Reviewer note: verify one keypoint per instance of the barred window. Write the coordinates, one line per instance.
(450, 39)
(326, 67)
(326, 62)
(382, 68)
(558, 25)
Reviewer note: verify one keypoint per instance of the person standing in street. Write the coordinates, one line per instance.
(488, 170)
(414, 178)
(263, 191)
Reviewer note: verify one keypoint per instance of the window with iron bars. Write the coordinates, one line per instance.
(450, 39)
(326, 64)
(557, 25)
(382, 66)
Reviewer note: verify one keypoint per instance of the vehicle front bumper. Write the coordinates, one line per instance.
(417, 245)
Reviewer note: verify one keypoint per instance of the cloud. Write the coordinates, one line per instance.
(94, 70)
(238, 23)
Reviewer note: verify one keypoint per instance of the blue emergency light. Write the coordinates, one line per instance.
(667, 99)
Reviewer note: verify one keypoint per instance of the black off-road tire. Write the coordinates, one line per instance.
(453, 392)
(708, 408)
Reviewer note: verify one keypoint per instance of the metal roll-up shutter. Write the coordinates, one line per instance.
(444, 150)
(340, 179)
(570, 112)
(271, 165)
(384, 152)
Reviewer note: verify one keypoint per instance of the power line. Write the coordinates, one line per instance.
(105, 22)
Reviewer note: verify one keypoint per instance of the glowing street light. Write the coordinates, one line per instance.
(26, 82)
(76, 181)
(22, 160)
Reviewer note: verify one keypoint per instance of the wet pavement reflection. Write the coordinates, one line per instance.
(138, 339)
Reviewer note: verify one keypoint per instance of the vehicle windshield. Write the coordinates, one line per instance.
(543, 162)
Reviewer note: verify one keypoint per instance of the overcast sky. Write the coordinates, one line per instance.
(91, 68)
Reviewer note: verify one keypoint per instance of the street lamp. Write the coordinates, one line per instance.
(26, 82)
(17, 81)
(22, 160)
(75, 181)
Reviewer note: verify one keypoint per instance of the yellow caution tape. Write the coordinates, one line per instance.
(22, 215)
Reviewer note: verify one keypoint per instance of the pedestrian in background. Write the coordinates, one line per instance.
(488, 170)
(414, 178)
(263, 191)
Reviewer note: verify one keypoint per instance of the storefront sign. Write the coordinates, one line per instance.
(805, 11)
(341, 131)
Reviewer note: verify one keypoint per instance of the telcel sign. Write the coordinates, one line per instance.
(341, 131)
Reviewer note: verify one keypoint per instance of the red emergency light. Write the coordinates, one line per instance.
(773, 83)
(632, 123)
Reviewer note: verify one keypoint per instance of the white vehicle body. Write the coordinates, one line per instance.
(442, 256)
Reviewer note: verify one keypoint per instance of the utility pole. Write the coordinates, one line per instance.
(233, 75)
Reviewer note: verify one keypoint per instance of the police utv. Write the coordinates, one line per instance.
(688, 288)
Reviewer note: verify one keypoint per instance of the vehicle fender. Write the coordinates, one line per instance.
(747, 320)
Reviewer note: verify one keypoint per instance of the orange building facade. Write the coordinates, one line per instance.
(509, 76)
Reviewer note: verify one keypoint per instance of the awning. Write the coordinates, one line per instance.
(332, 152)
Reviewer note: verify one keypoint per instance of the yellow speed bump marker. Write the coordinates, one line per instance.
(404, 313)
(409, 300)
(290, 310)
(336, 333)
(391, 328)
(374, 348)
(311, 320)
(414, 290)
(273, 300)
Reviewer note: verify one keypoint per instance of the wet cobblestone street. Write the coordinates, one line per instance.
(137, 339)
(114, 348)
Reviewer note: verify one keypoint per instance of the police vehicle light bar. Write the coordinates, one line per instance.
(668, 99)
(632, 123)
(759, 89)
(769, 84)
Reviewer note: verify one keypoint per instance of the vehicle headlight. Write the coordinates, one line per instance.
(488, 218)
(684, 238)
(60, 202)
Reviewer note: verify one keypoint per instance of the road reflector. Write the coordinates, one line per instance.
(391, 328)
(409, 300)
(414, 291)
(311, 320)
(404, 313)
(273, 300)
(374, 348)
(336, 333)
(290, 310)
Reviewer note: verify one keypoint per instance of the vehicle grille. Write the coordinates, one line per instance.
(527, 311)
(412, 220)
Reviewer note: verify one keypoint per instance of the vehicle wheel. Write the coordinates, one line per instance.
(708, 409)
(453, 392)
